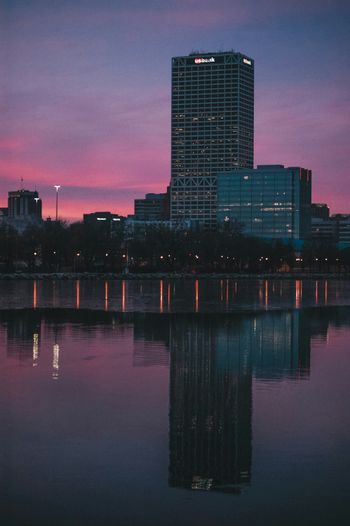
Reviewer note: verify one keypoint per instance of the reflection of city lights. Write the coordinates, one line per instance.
(197, 294)
(34, 295)
(266, 293)
(35, 349)
(123, 296)
(161, 296)
(77, 291)
(106, 295)
(55, 360)
(169, 297)
(298, 293)
(326, 292)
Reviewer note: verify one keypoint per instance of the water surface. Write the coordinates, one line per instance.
(169, 418)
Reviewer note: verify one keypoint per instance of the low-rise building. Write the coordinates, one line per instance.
(154, 207)
(107, 223)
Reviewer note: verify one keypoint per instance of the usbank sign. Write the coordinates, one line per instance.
(204, 60)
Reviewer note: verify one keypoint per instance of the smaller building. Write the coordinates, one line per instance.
(324, 229)
(24, 209)
(108, 224)
(3, 214)
(334, 229)
(343, 227)
(319, 211)
(154, 207)
(24, 204)
(270, 201)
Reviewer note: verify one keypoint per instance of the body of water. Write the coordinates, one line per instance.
(174, 403)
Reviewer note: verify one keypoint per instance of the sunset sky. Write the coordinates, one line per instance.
(85, 92)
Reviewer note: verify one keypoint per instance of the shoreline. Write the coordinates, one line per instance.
(41, 276)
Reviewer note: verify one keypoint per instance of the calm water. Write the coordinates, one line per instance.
(174, 416)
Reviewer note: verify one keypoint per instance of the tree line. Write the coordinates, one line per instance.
(59, 247)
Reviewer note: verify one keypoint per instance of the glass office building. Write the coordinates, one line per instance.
(270, 201)
(212, 128)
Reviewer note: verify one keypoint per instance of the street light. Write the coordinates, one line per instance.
(57, 187)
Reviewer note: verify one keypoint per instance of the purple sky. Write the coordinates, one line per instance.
(85, 92)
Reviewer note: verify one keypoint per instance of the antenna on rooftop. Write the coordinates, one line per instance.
(21, 183)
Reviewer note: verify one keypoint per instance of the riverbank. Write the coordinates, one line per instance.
(171, 275)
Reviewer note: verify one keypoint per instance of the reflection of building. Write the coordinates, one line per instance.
(210, 410)
(213, 361)
(269, 201)
(212, 130)
(22, 334)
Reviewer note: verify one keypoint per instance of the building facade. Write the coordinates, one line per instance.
(24, 209)
(155, 207)
(107, 224)
(270, 201)
(23, 204)
(212, 129)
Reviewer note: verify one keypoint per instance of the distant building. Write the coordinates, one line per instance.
(3, 214)
(23, 204)
(324, 229)
(24, 209)
(154, 207)
(212, 129)
(343, 227)
(134, 228)
(270, 201)
(107, 223)
(333, 229)
(319, 211)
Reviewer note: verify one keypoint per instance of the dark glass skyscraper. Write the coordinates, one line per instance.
(212, 128)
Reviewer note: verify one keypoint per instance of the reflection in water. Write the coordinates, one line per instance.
(55, 360)
(165, 295)
(243, 411)
(161, 295)
(35, 349)
(34, 295)
(106, 295)
(214, 360)
(210, 410)
(123, 295)
(298, 293)
(77, 294)
(169, 297)
(213, 363)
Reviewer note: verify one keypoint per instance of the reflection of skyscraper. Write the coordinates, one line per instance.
(213, 361)
(210, 411)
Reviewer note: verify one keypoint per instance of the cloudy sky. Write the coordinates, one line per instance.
(85, 92)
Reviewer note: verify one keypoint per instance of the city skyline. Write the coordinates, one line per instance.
(87, 93)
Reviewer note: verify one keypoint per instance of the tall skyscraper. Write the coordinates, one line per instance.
(212, 128)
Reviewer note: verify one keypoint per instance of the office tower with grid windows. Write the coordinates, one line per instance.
(212, 129)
